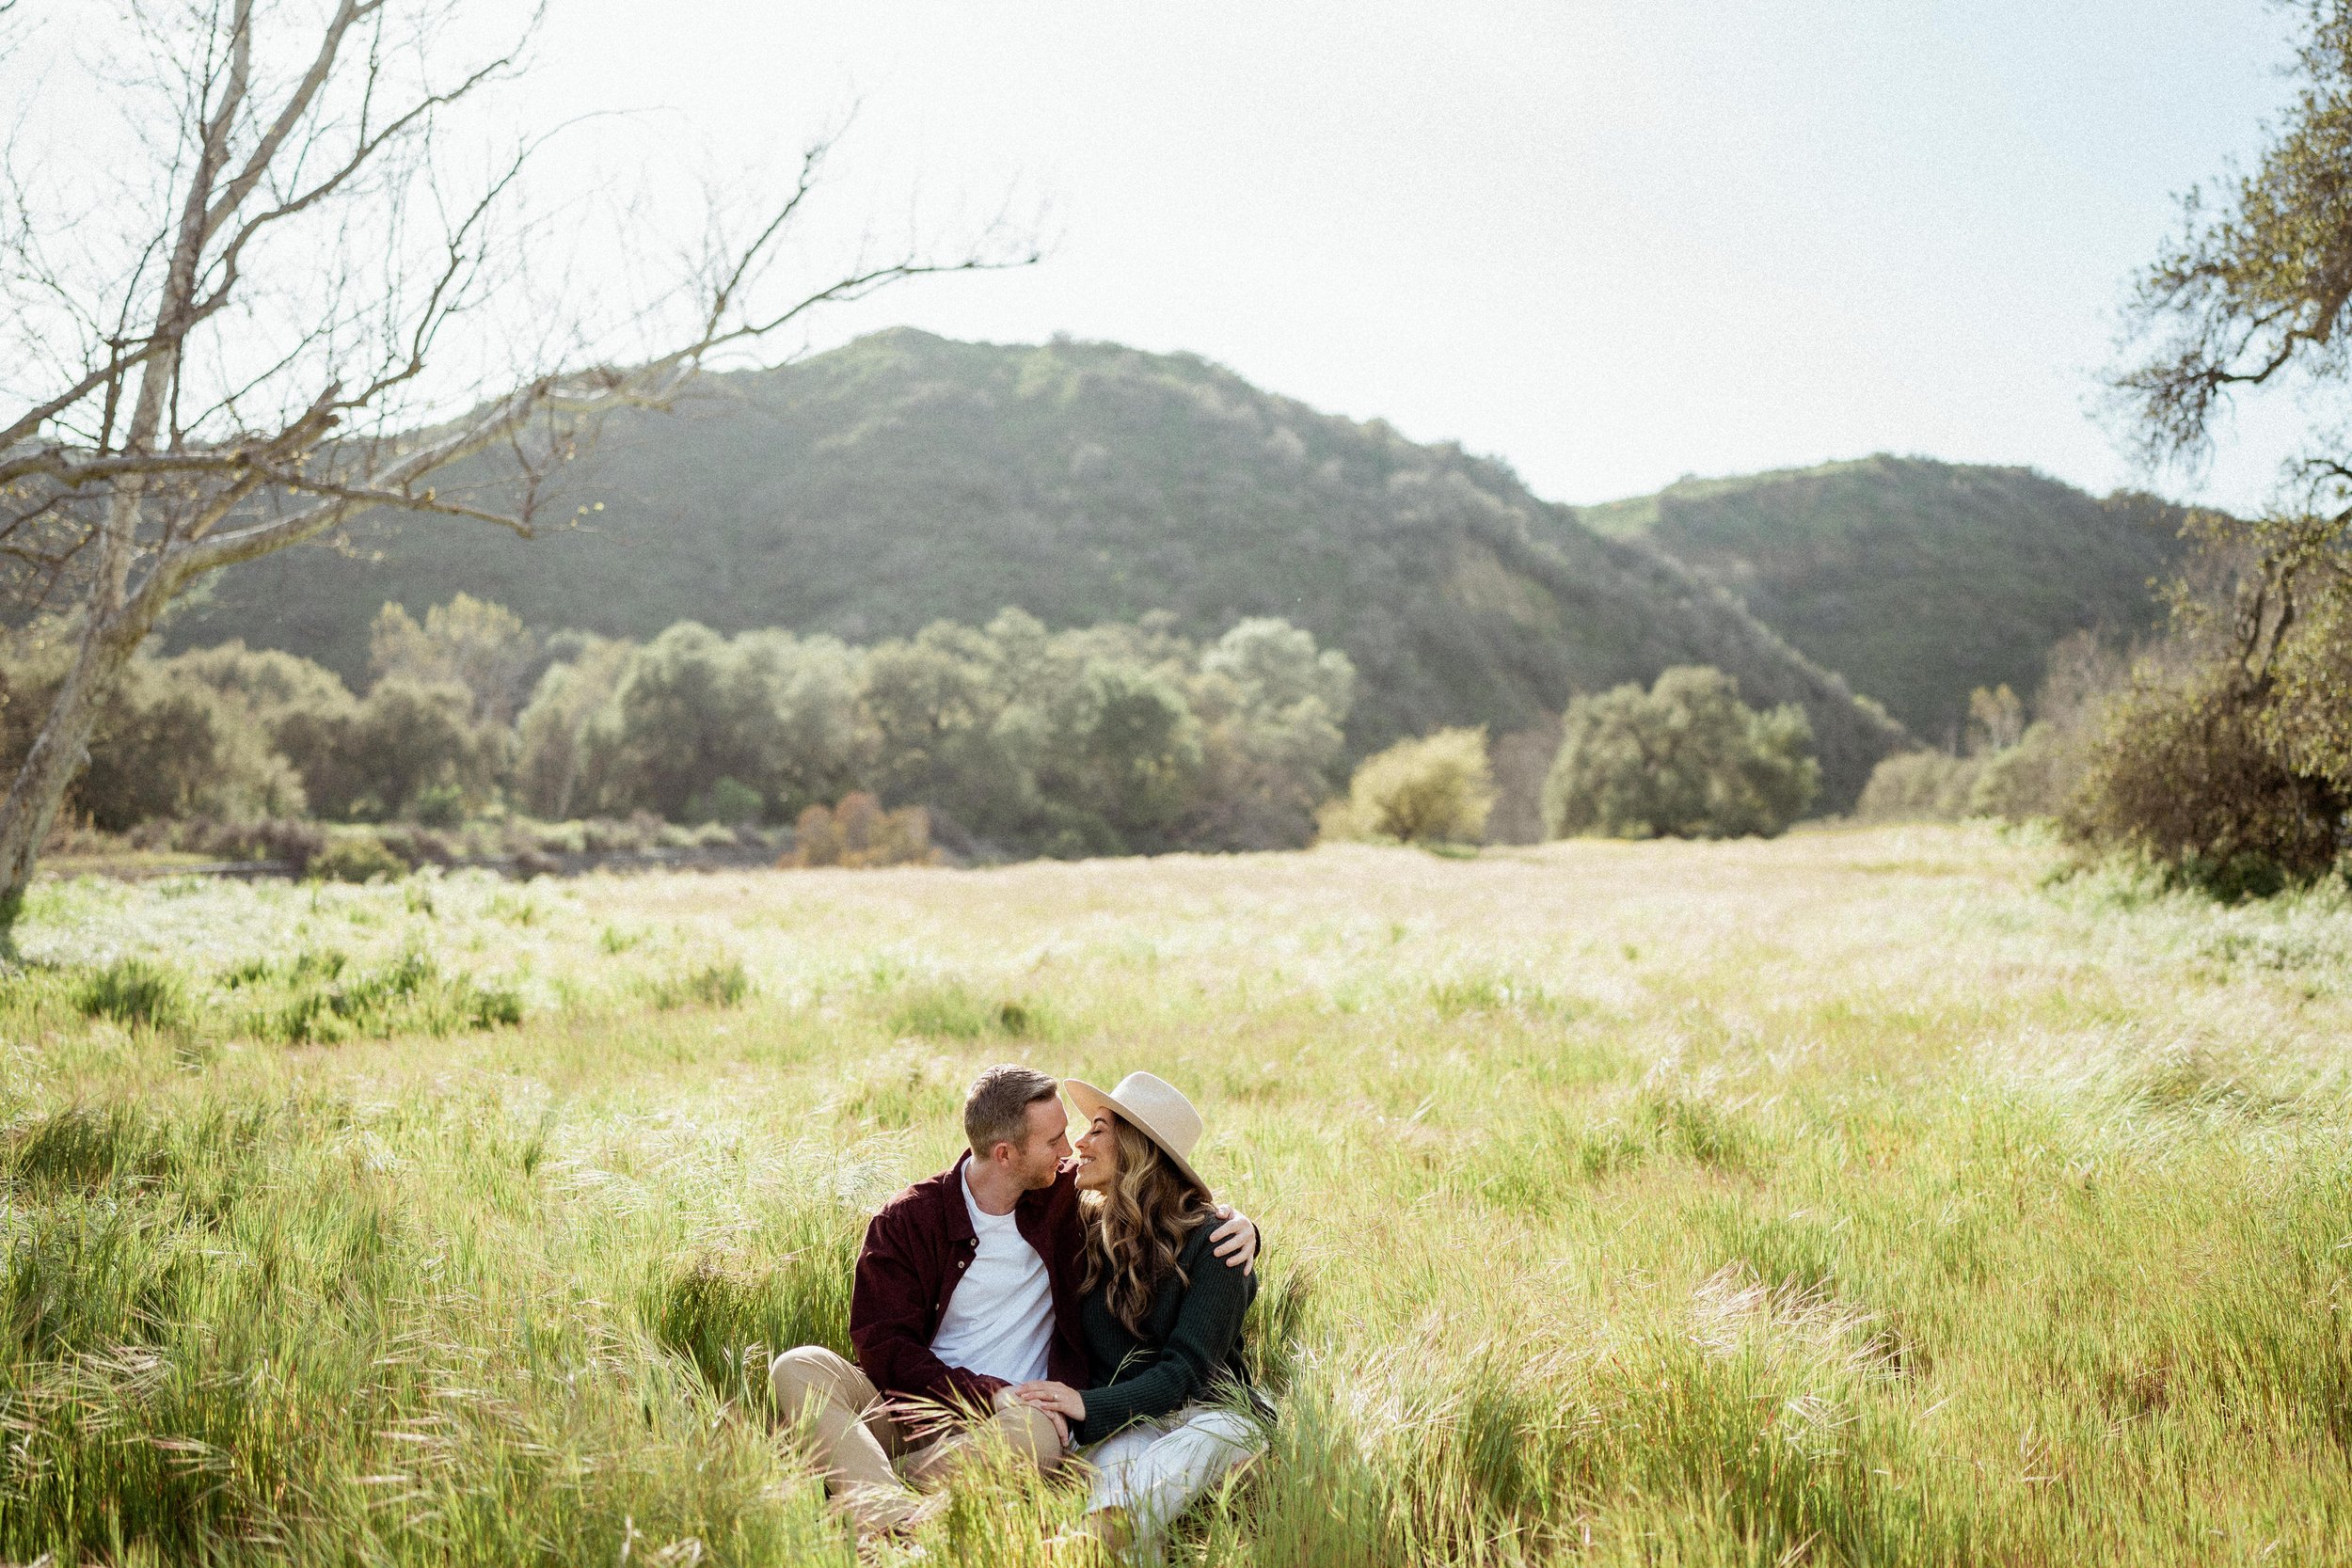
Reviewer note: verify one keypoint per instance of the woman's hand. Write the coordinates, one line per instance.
(1056, 1399)
(1008, 1398)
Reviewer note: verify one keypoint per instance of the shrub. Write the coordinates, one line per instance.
(288, 840)
(1435, 790)
(633, 834)
(2033, 778)
(414, 845)
(357, 856)
(1919, 786)
(438, 805)
(859, 833)
(330, 1002)
(1686, 759)
(721, 983)
(947, 1008)
(728, 800)
(133, 991)
(295, 843)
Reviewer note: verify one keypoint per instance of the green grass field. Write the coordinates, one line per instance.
(1856, 1197)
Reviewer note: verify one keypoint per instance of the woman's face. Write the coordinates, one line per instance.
(1097, 1155)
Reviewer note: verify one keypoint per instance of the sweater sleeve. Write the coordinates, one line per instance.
(1207, 1326)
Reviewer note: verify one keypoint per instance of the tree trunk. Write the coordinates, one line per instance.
(57, 755)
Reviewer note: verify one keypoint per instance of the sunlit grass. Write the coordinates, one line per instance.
(1858, 1198)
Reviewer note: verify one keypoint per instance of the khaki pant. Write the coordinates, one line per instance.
(873, 1460)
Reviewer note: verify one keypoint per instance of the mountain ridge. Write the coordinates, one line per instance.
(1917, 580)
(907, 478)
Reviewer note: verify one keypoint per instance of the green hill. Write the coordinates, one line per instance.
(1916, 580)
(907, 478)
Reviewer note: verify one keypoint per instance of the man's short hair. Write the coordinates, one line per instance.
(997, 1109)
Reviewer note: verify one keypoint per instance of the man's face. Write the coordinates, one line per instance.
(1043, 1147)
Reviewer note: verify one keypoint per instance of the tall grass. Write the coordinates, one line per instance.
(1855, 1199)
(730, 1315)
(134, 990)
(717, 983)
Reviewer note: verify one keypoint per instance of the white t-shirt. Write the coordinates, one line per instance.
(1000, 1320)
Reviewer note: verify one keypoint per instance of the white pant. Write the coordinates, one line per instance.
(1154, 1469)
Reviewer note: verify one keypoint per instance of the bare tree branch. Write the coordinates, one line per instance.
(237, 384)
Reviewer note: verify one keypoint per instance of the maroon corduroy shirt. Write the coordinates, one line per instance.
(916, 1252)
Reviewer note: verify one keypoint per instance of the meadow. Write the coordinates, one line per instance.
(1876, 1197)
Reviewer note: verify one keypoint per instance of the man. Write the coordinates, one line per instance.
(967, 1285)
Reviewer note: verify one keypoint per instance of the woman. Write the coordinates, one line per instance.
(1161, 1315)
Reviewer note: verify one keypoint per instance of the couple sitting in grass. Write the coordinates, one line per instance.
(1071, 1310)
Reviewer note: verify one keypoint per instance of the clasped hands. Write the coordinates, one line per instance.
(1061, 1402)
(1236, 1240)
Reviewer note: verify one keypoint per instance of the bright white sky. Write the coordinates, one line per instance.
(1610, 241)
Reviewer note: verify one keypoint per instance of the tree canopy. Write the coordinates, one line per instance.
(1685, 759)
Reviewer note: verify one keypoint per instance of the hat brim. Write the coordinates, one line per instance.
(1089, 1099)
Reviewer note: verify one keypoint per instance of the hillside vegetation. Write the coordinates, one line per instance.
(1853, 1197)
(906, 478)
(1916, 580)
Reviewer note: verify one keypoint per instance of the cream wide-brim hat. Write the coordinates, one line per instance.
(1156, 1108)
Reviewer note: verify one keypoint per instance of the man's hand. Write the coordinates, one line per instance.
(1057, 1400)
(1236, 1238)
(1010, 1398)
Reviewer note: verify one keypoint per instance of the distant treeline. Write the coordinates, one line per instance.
(1121, 737)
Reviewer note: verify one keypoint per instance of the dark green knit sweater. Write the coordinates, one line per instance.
(1190, 1347)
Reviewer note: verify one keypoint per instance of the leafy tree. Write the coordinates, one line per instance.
(677, 723)
(2233, 744)
(166, 743)
(1124, 751)
(1434, 790)
(817, 743)
(1685, 759)
(1277, 667)
(267, 681)
(775, 713)
(1921, 786)
(2184, 772)
(1272, 706)
(550, 753)
(2012, 768)
(951, 734)
(482, 646)
(1108, 739)
(408, 747)
(1996, 720)
(303, 709)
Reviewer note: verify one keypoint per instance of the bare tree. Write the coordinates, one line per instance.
(302, 314)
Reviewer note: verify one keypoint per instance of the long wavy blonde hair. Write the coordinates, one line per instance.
(1135, 1228)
